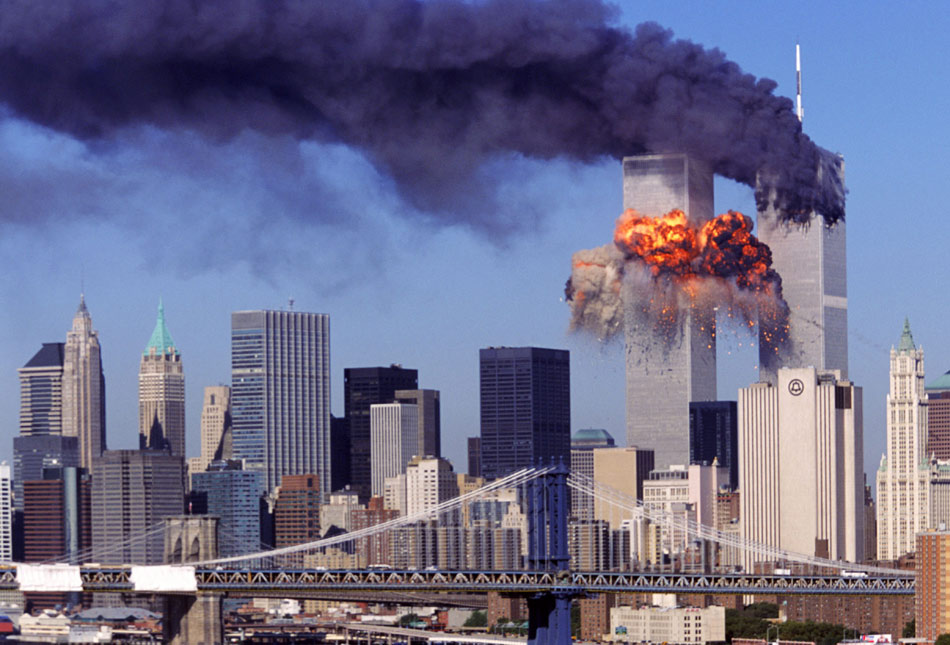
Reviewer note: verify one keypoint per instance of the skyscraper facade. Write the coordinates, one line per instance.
(162, 392)
(41, 392)
(938, 417)
(6, 513)
(583, 444)
(297, 511)
(714, 435)
(133, 490)
(903, 478)
(811, 260)
(363, 387)
(216, 438)
(430, 419)
(394, 439)
(525, 395)
(665, 375)
(84, 388)
(32, 454)
(801, 464)
(280, 393)
(234, 495)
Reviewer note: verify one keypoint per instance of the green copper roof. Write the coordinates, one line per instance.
(907, 340)
(941, 383)
(161, 340)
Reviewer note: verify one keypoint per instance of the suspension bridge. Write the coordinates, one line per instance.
(194, 584)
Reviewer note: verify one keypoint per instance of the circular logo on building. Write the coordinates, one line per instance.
(796, 387)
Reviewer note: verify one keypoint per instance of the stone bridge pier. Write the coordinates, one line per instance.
(192, 619)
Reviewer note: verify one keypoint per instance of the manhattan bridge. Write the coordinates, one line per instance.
(193, 583)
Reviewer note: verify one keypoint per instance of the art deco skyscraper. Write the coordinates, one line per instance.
(162, 392)
(665, 375)
(903, 478)
(216, 437)
(811, 261)
(84, 388)
(280, 393)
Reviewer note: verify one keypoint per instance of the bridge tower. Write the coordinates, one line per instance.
(549, 612)
(192, 619)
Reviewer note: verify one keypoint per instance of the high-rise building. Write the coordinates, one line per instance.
(280, 393)
(474, 445)
(32, 454)
(216, 437)
(938, 417)
(363, 387)
(6, 513)
(297, 510)
(84, 388)
(234, 495)
(132, 491)
(811, 261)
(430, 419)
(340, 456)
(801, 460)
(583, 444)
(903, 478)
(623, 469)
(56, 515)
(41, 392)
(162, 392)
(525, 395)
(429, 482)
(931, 591)
(394, 432)
(714, 435)
(376, 546)
(665, 374)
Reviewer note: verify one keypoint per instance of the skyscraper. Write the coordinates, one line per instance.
(583, 444)
(363, 387)
(394, 439)
(903, 478)
(938, 417)
(234, 495)
(162, 392)
(525, 395)
(801, 461)
(714, 435)
(811, 261)
(663, 376)
(216, 438)
(41, 392)
(84, 388)
(280, 393)
(430, 419)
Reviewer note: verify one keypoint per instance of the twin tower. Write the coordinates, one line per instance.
(663, 378)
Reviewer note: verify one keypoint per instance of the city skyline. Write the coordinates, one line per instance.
(503, 290)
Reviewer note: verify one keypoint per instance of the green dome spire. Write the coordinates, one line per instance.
(907, 340)
(161, 340)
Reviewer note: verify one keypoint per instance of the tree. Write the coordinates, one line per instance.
(910, 629)
(408, 619)
(476, 619)
(943, 639)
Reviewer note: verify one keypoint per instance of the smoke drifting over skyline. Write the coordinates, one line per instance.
(430, 92)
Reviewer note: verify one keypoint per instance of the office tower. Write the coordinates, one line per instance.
(297, 510)
(41, 392)
(474, 453)
(34, 453)
(903, 478)
(429, 482)
(337, 511)
(363, 387)
(216, 438)
(232, 494)
(583, 444)
(132, 490)
(932, 593)
(6, 513)
(624, 470)
(280, 393)
(938, 417)
(56, 515)
(430, 419)
(664, 374)
(162, 392)
(340, 455)
(811, 261)
(525, 408)
(714, 435)
(394, 432)
(801, 463)
(84, 388)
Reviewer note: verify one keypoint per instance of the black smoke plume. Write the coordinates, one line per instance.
(428, 91)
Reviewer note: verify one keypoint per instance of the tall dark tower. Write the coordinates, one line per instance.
(525, 408)
(362, 387)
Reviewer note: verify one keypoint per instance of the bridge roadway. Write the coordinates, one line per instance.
(318, 583)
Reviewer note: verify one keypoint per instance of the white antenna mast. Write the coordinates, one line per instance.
(798, 82)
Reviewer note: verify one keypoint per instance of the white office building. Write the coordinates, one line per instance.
(394, 440)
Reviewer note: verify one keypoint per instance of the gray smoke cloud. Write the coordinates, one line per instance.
(430, 92)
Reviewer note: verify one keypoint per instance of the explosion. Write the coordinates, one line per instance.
(661, 268)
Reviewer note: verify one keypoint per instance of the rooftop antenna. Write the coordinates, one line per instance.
(290, 303)
(798, 82)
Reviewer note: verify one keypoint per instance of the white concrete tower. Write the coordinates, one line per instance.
(903, 484)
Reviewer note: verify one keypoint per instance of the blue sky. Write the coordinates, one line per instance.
(205, 225)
